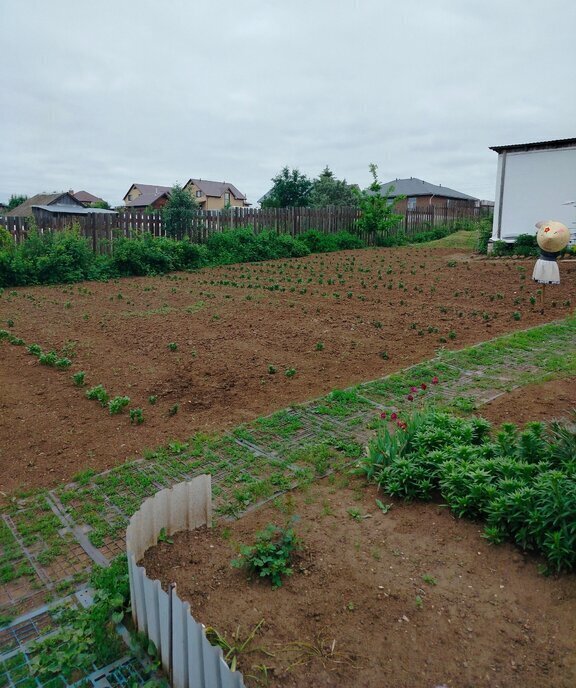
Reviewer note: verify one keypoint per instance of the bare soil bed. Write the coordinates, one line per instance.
(413, 598)
(333, 319)
(543, 402)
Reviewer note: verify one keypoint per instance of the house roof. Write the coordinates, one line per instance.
(85, 197)
(74, 209)
(537, 145)
(216, 189)
(25, 209)
(150, 193)
(418, 187)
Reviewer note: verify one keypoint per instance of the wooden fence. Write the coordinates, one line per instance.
(102, 229)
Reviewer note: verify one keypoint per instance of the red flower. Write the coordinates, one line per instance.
(383, 415)
(434, 380)
(410, 397)
(424, 385)
(393, 416)
(413, 389)
(402, 425)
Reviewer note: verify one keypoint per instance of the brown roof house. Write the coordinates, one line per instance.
(215, 195)
(44, 206)
(421, 195)
(87, 199)
(142, 196)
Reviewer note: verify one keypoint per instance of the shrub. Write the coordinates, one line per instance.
(521, 482)
(484, 235)
(318, 242)
(99, 394)
(271, 555)
(116, 405)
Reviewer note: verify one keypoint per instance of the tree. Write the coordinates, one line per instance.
(178, 211)
(16, 200)
(327, 190)
(290, 190)
(104, 205)
(377, 207)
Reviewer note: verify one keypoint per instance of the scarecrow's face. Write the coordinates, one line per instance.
(553, 236)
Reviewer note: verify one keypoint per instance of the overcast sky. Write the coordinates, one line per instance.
(98, 95)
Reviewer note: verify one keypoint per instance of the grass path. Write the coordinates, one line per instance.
(50, 540)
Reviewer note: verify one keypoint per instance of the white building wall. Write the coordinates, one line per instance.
(532, 186)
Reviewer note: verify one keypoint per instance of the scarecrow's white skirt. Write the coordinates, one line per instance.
(546, 272)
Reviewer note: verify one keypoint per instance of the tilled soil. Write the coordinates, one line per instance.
(333, 319)
(413, 598)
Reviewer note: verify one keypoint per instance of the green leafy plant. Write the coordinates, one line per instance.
(271, 555)
(78, 378)
(116, 405)
(136, 416)
(173, 410)
(98, 393)
(290, 372)
(173, 346)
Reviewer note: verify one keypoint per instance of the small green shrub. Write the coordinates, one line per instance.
(99, 394)
(521, 482)
(48, 359)
(34, 349)
(78, 378)
(136, 416)
(116, 405)
(271, 555)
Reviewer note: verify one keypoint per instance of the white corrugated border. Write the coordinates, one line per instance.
(187, 656)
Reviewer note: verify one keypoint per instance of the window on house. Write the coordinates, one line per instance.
(198, 194)
(412, 203)
(227, 198)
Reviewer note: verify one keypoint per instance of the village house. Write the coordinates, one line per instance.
(215, 195)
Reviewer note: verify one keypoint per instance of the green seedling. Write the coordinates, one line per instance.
(136, 416)
(116, 405)
(78, 378)
(99, 394)
(271, 555)
(290, 372)
(48, 359)
(34, 349)
(173, 346)
(272, 369)
(384, 508)
(152, 399)
(173, 410)
(163, 537)
(427, 578)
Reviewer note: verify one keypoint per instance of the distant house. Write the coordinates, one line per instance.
(534, 181)
(43, 206)
(142, 196)
(87, 199)
(421, 195)
(215, 195)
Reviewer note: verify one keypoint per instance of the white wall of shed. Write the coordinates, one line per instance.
(537, 184)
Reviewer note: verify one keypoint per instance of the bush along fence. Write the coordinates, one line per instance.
(102, 229)
(187, 657)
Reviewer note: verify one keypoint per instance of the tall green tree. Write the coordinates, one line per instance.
(16, 200)
(327, 190)
(178, 212)
(290, 189)
(378, 207)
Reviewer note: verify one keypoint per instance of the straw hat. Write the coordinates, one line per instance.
(552, 235)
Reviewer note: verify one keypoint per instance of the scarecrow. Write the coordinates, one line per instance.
(552, 238)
